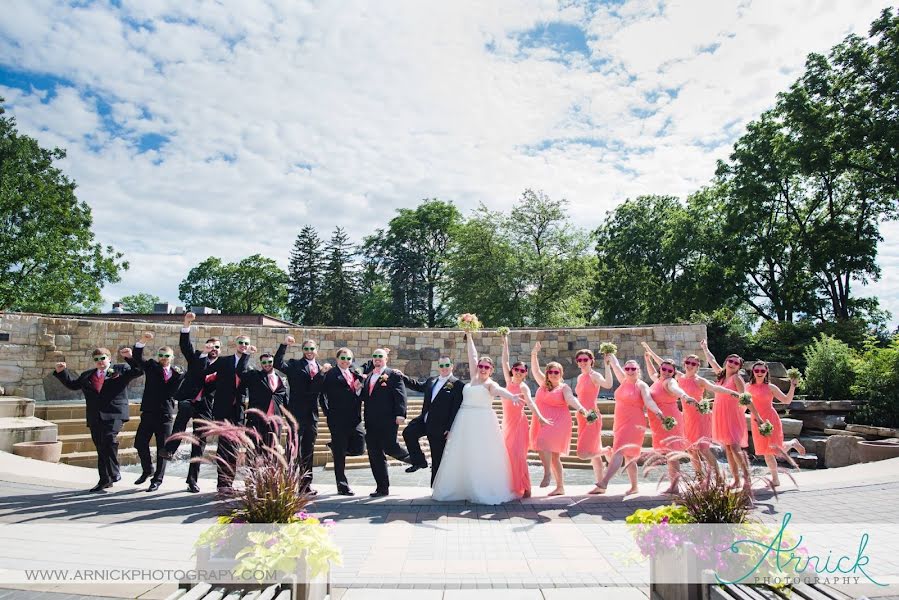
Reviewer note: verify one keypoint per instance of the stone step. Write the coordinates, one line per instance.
(14, 406)
(78, 426)
(24, 429)
(81, 442)
(52, 411)
(127, 456)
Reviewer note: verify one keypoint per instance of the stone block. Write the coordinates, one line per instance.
(792, 428)
(841, 450)
(429, 354)
(11, 373)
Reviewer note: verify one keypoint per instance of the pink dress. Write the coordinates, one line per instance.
(555, 437)
(729, 418)
(589, 435)
(763, 400)
(697, 426)
(666, 440)
(515, 434)
(629, 427)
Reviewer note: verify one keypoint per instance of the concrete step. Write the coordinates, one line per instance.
(127, 456)
(14, 406)
(52, 411)
(24, 429)
(82, 442)
(78, 426)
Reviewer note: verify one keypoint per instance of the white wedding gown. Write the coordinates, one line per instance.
(475, 463)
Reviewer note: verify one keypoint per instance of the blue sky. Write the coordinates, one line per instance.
(194, 129)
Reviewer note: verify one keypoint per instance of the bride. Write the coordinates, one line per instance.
(475, 463)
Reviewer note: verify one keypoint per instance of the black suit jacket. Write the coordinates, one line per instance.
(110, 403)
(341, 406)
(159, 394)
(386, 401)
(260, 392)
(305, 390)
(195, 378)
(441, 405)
(229, 393)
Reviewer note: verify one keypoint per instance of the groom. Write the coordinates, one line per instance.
(384, 399)
(442, 399)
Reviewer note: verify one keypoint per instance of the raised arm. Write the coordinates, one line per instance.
(497, 390)
(278, 360)
(709, 357)
(650, 367)
(145, 339)
(780, 396)
(602, 380)
(65, 377)
(656, 358)
(187, 348)
(536, 372)
(472, 356)
(616, 368)
(506, 363)
(572, 401)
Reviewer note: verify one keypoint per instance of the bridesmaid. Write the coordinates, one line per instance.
(666, 392)
(589, 435)
(515, 422)
(763, 394)
(729, 417)
(631, 397)
(554, 396)
(697, 426)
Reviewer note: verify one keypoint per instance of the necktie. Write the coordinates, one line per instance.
(166, 374)
(348, 377)
(313, 369)
(99, 376)
(371, 382)
(273, 381)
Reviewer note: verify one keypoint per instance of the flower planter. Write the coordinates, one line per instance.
(667, 567)
(45, 451)
(878, 450)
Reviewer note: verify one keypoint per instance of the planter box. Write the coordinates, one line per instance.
(675, 565)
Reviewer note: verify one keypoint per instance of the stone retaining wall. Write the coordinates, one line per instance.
(37, 342)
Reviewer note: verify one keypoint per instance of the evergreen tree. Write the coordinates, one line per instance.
(340, 281)
(305, 279)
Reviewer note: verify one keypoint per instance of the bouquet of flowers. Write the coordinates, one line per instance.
(669, 423)
(608, 348)
(502, 331)
(745, 399)
(468, 322)
(592, 416)
(704, 406)
(766, 428)
(794, 375)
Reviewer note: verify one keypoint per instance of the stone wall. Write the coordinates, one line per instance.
(37, 342)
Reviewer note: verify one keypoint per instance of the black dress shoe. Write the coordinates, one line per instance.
(154, 485)
(193, 488)
(346, 492)
(103, 485)
(378, 494)
(415, 468)
(142, 478)
(117, 478)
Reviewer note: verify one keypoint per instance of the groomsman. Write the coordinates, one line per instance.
(384, 399)
(268, 394)
(157, 407)
(195, 398)
(305, 376)
(229, 405)
(107, 407)
(343, 409)
(442, 399)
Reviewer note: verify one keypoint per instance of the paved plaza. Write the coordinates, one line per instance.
(407, 545)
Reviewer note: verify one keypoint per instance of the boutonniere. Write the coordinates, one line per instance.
(177, 370)
(383, 378)
(110, 373)
(448, 385)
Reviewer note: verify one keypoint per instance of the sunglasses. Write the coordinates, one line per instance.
(520, 370)
(344, 358)
(100, 358)
(308, 348)
(243, 343)
(485, 367)
(554, 372)
(669, 371)
(734, 361)
(444, 365)
(377, 356)
(267, 362)
(691, 363)
(161, 355)
(630, 369)
(216, 346)
(760, 371)
(583, 359)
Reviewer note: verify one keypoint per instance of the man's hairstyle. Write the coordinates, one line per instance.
(167, 349)
(310, 342)
(101, 351)
(446, 356)
(266, 355)
(210, 340)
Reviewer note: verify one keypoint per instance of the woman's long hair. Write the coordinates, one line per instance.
(722, 374)
(549, 385)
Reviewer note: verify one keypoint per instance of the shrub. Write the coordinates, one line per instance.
(829, 369)
(877, 386)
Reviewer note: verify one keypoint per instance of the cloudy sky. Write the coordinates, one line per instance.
(198, 128)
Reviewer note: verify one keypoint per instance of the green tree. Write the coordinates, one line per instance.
(49, 261)
(305, 302)
(139, 303)
(340, 282)
(829, 373)
(254, 285)
(376, 308)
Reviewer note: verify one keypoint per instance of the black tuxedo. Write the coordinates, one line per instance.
(343, 410)
(157, 411)
(195, 400)
(384, 399)
(305, 398)
(267, 399)
(106, 411)
(437, 414)
(228, 406)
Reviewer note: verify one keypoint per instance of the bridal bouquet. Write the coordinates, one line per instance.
(669, 423)
(766, 428)
(468, 322)
(745, 399)
(504, 331)
(704, 406)
(794, 375)
(608, 348)
(592, 416)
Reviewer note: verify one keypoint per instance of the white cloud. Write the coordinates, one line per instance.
(281, 114)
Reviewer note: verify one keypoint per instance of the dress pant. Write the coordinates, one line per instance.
(437, 444)
(158, 425)
(186, 412)
(105, 437)
(414, 431)
(227, 453)
(268, 431)
(345, 441)
(381, 440)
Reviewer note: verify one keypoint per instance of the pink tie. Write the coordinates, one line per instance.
(371, 383)
(348, 377)
(99, 376)
(166, 374)
(313, 369)
(272, 381)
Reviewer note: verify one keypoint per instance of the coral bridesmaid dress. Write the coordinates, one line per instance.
(729, 418)
(666, 440)
(763, 400)
(515, 435)
(629, 427)
(555, 437)
(697, 426)
(589, 435)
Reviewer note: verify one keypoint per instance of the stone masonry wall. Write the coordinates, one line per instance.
(37, 342)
